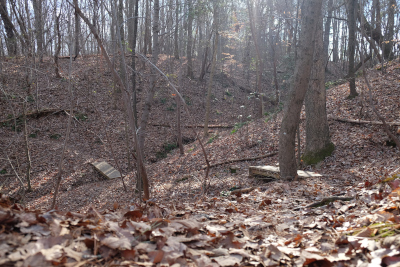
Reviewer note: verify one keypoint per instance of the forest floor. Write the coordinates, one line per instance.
(269, 223)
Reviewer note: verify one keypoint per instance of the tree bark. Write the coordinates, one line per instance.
(327, 30)
(213, 63)
(318, 144)
(287, 159)
(147, 32)
(58, 48)
(37, 7)
(260, 63)
(152, 89)
(77, 34)
(176, 43)
(190, 40)
(352, 47)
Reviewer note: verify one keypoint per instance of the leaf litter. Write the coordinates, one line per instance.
(270, 225)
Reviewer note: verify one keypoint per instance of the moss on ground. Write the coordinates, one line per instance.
(315, 157)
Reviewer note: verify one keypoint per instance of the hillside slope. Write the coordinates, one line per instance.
(265, 223)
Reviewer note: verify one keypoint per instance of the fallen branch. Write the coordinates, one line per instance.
(242, 159)
(194, 126)
(328, 200)
(35, 114)
(393, 123)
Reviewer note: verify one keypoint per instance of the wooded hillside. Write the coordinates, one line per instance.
(173, 101)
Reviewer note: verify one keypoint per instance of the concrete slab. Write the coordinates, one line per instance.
(273, 171)
(106, 170)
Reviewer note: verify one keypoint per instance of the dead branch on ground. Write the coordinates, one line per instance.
(392, 123)
(195, 126)
(35, 114)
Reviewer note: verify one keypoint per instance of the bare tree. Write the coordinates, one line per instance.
(126, 98)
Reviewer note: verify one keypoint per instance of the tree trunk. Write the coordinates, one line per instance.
(176, 43)
(25, 43)
(260, 64)
(213, 63)
(152, 89)
(352, 47)
(287, 159)
(327, 30)
(58, 48)
(37, 8)
(388, 44)
(178, 118)
(335, 50)
(190, 40)
(77, 34)
(11, 41)
(318, 144)
(147, 33)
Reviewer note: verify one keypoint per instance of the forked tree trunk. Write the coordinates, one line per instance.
(291, 117)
